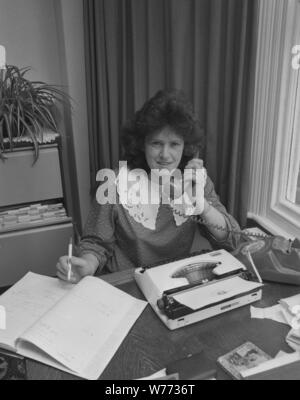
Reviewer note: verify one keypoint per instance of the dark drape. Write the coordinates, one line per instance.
(204, 47)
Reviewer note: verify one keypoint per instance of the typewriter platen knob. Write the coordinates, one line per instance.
(161, 304)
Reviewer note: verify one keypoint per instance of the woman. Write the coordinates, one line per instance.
(164, 137)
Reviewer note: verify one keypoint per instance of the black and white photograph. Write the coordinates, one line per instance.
(149, 192)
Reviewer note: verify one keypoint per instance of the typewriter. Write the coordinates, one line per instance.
(189, 290)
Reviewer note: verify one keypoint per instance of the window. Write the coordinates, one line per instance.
(275, 153)
(293, 182)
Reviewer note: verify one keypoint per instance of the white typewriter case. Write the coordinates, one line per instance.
(204, 300)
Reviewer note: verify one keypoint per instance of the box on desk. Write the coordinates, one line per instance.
(241, 359)
(249, 362)
(282, 368)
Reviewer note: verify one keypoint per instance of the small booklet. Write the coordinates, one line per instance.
(244, 357)
(75, 328)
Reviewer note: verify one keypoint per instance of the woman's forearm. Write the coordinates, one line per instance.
(212, 216)
(92, 260)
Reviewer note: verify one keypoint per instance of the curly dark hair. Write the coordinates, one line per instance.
(166, 108)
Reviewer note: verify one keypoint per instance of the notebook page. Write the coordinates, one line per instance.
(106, 352)
(103, 355)
(27, 301)
(82, 323)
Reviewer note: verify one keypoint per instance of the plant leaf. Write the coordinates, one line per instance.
(28, 107)
(34, 140)
(8, 127)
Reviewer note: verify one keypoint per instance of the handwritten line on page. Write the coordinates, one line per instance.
(26, 302)
(80, 328)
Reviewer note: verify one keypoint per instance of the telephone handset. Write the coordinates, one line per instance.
(276, 258)
(184, 183)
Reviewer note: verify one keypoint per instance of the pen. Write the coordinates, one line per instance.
(69, 259)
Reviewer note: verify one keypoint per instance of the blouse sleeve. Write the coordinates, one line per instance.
(98, 235)
(232, 239)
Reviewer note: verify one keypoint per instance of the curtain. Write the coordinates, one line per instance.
(204, 47)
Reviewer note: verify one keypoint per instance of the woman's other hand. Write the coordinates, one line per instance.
(80, 267)
(194, 183)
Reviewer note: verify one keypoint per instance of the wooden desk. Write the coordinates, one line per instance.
(150, 345)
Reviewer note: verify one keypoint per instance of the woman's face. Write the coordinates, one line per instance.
(164, 149)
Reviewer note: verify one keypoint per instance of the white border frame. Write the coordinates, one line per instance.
(274, 122)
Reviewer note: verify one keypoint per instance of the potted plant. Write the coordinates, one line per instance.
(27, 108)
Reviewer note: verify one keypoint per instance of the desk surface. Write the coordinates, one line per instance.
(150, 345)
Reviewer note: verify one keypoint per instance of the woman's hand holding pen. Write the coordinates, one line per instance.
(81, 267)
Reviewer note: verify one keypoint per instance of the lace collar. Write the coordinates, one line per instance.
(142, 197)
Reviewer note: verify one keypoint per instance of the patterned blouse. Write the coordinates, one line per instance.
(120, 241)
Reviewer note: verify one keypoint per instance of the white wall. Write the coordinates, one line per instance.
(28, 31)
(48, 36)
